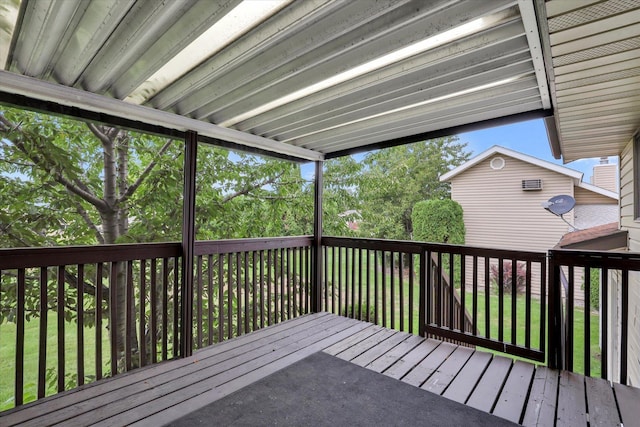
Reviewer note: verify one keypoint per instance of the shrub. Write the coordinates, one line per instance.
(594, 288)
(357, 315)
(507, 279)
(439, 221)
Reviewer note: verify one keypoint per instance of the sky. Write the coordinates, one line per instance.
(528, 137)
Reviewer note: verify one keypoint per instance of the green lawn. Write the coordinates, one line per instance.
(493, 312)
(32, 328)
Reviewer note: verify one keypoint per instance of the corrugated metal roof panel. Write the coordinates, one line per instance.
(328, 75)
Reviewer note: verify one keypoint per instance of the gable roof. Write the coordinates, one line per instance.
(497, 149)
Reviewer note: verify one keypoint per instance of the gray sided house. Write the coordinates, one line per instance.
(501, 192)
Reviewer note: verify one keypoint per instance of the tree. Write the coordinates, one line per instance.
(395, 179)
(438, 221)
(69, 182)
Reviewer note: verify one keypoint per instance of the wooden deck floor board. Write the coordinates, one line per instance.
(119, 383)
(443, 376)
(353, 340)
(403, 365)
(423, 370)
(381, 348)
(601, 403)
(390, 357)
(571, 408)
(161, 393)
(364, 345)
(628, 398)
(466, 380)
(511, 403)
(486, 392)
(187, 389)
(541, 407)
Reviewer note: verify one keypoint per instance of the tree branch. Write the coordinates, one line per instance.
(42, 163)
(249, 189)
(132, 189)
(85, 215)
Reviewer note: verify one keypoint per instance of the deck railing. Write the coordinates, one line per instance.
(244, 285)
(582, 333)
(109, 291)
(72, 306)
(458, 293)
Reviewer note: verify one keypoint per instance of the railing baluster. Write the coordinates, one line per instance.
(142, 323)
(393, 291)
(288, 284)
(360, 298)
(230, 296)
(439, 297)
(424, 292)
(282, 284)
(80, 326)
(19, 372)
(475, 295)
(514, 299)
(210, 268)
(269, 285)
(238, 295)
(128, 324)
(247, 307)
(368, 285)
(220, 297)
(383, 289)
(401, 288)
(451, 310)
(176, 306)
(60, 307)
(500, 299)
(351, 267)
(198, 298)
(113, 318)
(487, 298)
(604, 323)
(411, 308)
(254, 292)
(296, 293)
(42, 344)
(154, 310)
(587, 321)
(527, 309)
(262, 282)
(165, 307)
(624, 327)
(463, 291)
(325, 305)
(570, 308)
(98, 361)
(376, 286)
(543, 306)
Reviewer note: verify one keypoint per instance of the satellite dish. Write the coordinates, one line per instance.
(560, 205)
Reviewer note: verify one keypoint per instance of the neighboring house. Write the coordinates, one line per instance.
(501, 192)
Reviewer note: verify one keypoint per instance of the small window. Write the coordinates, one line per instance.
(531, 184)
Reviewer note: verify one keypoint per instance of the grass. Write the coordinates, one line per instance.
(494, 318)
(31, 339)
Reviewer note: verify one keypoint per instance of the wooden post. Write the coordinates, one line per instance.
(316, 288)
(554, 333)
(188, 241)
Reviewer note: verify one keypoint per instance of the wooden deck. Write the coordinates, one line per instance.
(161, 393)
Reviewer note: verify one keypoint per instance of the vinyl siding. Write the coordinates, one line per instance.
(605, 176)
(499, 214)
(586, 197)
(628, 222)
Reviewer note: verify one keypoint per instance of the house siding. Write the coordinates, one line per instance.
(628, 222)
(499, 214)
(587, 197)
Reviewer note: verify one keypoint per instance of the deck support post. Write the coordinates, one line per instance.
(188, 242)
(554, 333)
(316, 271)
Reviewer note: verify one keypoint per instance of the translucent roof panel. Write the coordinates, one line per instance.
(310, 78)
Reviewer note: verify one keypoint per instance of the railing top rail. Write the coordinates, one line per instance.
(208, 247)
(409, 246)
(596, 259)
(12, 258)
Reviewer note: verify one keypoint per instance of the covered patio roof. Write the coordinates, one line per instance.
(316, 79)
